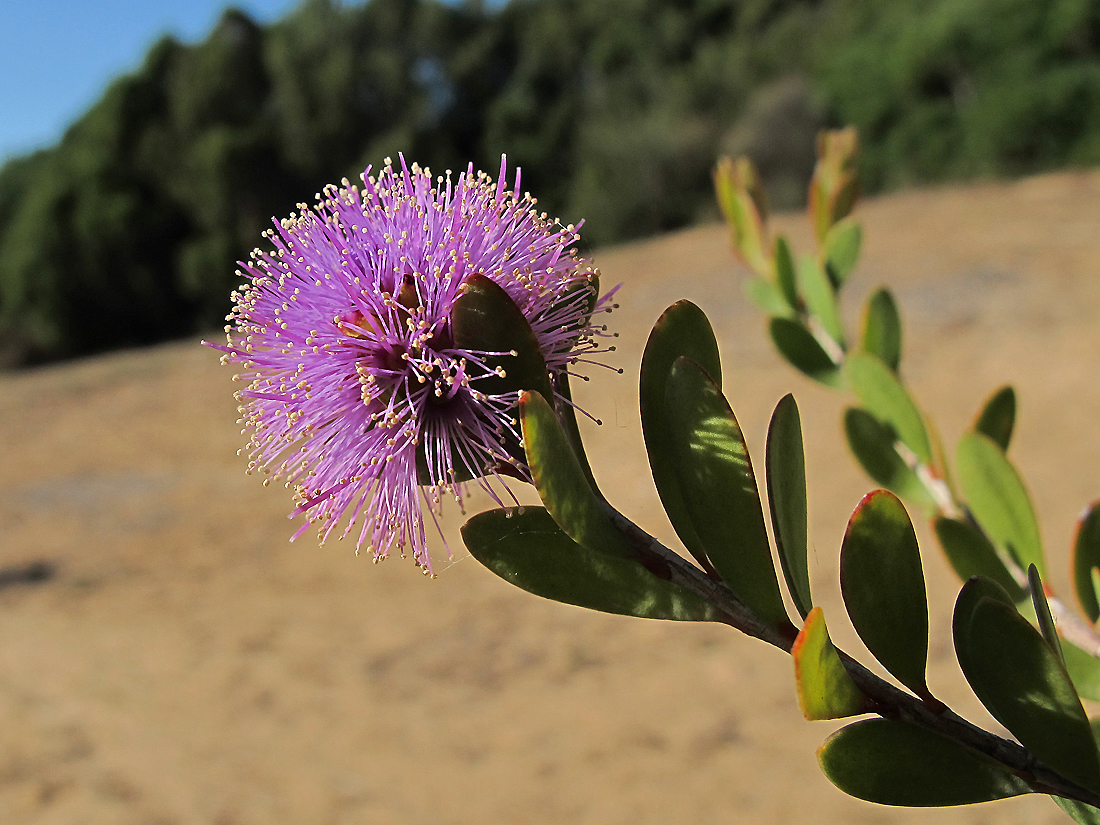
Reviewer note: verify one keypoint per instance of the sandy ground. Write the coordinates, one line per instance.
(186, 664)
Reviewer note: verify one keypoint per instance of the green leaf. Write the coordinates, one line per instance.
(881, 332)
(972, 554)
(884, 396)
(825, 689)
(842, 246)
(526, 547)
(1086, 559)
(719, 488)
(785, 464)
(1083, 669)
(820, 298)
(1042, 613)
(998, 417)
(996, 496)
(798, 345)
(561, 483)
(1079, 811)
(897, 763)
(786, 277)
(882, 582)
(973, 591)
(767, 297)
(872, 443)
(683, 329)
(1024, 686)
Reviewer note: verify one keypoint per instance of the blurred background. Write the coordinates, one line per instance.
(168, 658)
(615, 109)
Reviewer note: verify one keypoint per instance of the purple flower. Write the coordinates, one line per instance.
(357, 392)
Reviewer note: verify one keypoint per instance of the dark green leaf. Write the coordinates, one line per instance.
(820, 298)
(786, 481)
(798, 345)
(973, 591)
(561, 482)
(972, 554)
(842, 246)
(884, 396)
(998, 417)
(872, 443)
(1023, 684)
(1042, 612)
(1086, 558)
(997, 498)
(786, 277)
(527, 548)
(897, 763)
(683, 329)
(1084, 670)
(881, 334)
(825, 689)
(719, 488)
(882, 581)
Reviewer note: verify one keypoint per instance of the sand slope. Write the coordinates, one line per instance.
(186, 664)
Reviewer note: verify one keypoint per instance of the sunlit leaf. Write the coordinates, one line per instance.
(881, 329)
(1080, 812)
(741, 199)
(1084, 670)
(872, 443)
(561, 482)
(882, 581)
(526, 547)
(719, 488)
(798, 345)
(820, 297)
(786, 277)
(786, 482)
(996, 496)
(825, 689)
(1042, 612)
(766, 297)
(683, 329)
(897, 763)
(998, 417)
(1022, 682)
(972, 554)
(884, 396)
(1086, 559)
(842, 246)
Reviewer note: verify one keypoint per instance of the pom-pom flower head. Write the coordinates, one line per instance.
(363, 338)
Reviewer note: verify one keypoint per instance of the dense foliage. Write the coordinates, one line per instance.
(128, 230)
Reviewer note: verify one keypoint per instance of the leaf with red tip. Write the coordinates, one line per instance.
(825, 689)
(882, 581)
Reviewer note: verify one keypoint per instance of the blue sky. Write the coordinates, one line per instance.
(57, 56)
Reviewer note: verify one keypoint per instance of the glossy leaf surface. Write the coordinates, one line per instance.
(881, 329)
(561, 482)
(1086, 558)
(825, 689)
(1023, 684)
(872, 443)
(972, 554)
(786, 481)
(682, 330)
(996, 496)
(525, 547)
(820, 297)
(898, 763)
(798, 345)
(882, 581)
(719, 488)
(842, 246)
(884, 396)
(1042, 613)
(998, 417)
